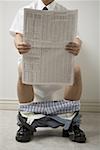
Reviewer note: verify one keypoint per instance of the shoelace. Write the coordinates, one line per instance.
(23, 129)
(77, 130)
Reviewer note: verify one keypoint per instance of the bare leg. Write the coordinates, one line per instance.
(25, 92)
(74, 92)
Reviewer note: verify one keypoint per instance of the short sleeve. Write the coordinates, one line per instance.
(17, 25)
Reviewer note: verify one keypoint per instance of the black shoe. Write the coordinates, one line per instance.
(75, 134)
(24, 134)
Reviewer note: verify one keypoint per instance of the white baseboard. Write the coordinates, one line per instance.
(8, 104)
(90, 107)
(85, 106)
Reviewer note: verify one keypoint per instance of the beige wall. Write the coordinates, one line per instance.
(89, 57)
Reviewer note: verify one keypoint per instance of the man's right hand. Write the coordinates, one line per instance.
(23, 47)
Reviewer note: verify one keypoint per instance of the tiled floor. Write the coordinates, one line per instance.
(46, 138)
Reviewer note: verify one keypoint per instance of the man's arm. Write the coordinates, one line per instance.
(22, 47)
(74, 47)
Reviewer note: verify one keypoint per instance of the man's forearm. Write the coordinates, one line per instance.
(18, 39)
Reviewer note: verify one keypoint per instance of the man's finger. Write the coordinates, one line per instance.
(73, 52)
(69, 48)
(23, 47)
(72, 44)
(24, 44)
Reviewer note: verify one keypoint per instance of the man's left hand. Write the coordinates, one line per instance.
(73, 48)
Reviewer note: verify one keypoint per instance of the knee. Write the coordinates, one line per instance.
(20, 72)
(77, 70)
(77, 73)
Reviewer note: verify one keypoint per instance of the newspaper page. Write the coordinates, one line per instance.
(48, 32)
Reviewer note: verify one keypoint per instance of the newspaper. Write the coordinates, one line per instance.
(48, 32)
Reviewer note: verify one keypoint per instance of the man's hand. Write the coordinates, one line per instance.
(23, 47)
(74, 47)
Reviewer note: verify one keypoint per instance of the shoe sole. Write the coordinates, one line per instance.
(23, 140)
(74, 139)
